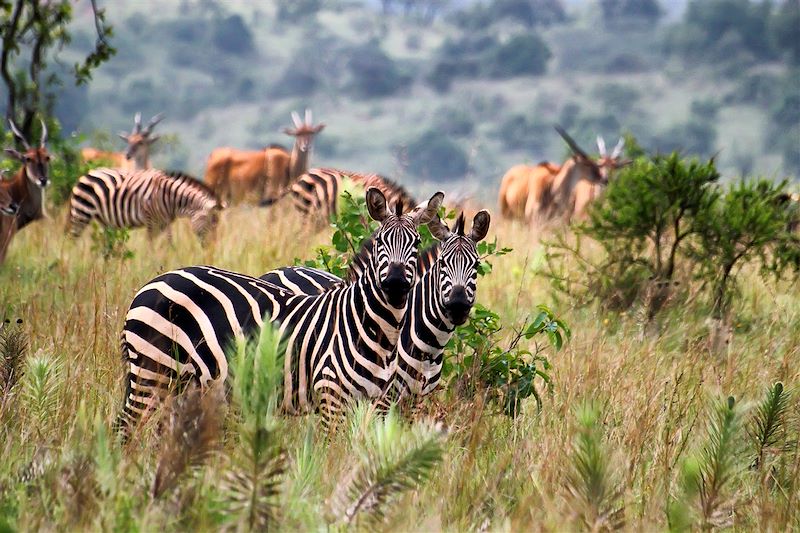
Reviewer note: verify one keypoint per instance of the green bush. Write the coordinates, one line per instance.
(520, 132)
(434, 156)
(374, 74)
(523, 55)
(664, 220)
(232, 36)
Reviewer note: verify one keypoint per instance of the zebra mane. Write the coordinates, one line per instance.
(183, 177)
(407, 200)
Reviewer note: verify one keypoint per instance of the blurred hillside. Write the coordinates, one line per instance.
(446, 91)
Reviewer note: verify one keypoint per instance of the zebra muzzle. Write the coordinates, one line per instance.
(395, 286)
(457, 307)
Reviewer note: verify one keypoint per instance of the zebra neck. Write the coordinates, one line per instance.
(424, 333)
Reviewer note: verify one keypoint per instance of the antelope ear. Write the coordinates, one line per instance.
(153, 139)
(480, 225)
(13, 153)
(376, 204)
(439, 229)
(425, 212)
(319, 128)
(123, 136)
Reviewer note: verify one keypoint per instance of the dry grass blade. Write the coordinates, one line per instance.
(192, 431)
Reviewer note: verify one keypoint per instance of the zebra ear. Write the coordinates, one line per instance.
(439, 229)
(376, 204)
(480, 225)
(426, 211)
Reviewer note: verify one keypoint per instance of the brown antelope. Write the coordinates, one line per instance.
(8, 206)
(580, 180)
(522, 181)
(136, 155)
(26, 188)
(235, 174)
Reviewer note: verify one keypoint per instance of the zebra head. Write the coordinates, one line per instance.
(456, 270)
(394, 244)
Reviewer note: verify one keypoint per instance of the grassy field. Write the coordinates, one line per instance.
(639, 406)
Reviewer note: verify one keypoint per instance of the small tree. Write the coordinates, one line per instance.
(742, 225)
(43, 26)
(642, 225)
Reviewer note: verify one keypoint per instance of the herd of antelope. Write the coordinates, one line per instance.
(538, 194)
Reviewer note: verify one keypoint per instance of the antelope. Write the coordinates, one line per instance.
(234, 174)
(580, 180)
(137, 154)
(522, 181)
(26, 188)
(8, 206)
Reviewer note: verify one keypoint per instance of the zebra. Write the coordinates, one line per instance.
(337, 345)
(440, 301)
(316, 193)
(129, 199)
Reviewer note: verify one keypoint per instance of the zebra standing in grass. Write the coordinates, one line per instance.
(316, 193)
(152, 198)
(440, 301)
(337, 344)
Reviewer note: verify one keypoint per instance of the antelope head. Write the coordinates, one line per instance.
(140, 138)
(601, 168)
(303, 130)
(35, 160)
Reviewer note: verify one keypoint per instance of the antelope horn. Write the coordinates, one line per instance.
(153, 122)
(296, 119)
(137, 123)
(44, 133)
(601, 145)
(618, 148)
(571, 142)
(19, 134)
(308, 117)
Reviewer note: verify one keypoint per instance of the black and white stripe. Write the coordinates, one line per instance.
(338, 344)
(316, 192)
(119, 198)
(439, 302)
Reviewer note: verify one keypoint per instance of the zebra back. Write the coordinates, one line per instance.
(337, 345)
(316, 193)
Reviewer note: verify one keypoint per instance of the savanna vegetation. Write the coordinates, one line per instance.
(636, 371)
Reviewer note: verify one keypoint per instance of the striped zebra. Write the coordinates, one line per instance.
(151, 198)
(316, 193)
(337, 344)
(440, 301)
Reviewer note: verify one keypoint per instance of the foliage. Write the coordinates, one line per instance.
(519, 131)
(392, 458)
(482, 55)
(476, 360)
(373, 73)
(297, 10)
(592, 483)
(253, 479)
(648, 11)
(730, 31)
(111, 242)
(708, 497)
(769, 424)
(352, 226)
(13, 349)
(531, 13)
(522, 55)
(434, 156)
(232, 36)
(742, 226)
(642, 224)
(44, 25)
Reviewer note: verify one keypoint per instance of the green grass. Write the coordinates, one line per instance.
(652, 403)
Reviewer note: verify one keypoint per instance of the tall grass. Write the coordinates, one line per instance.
(654, 414)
